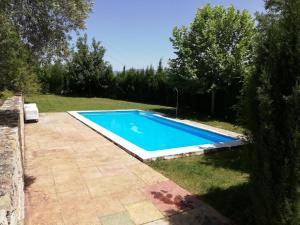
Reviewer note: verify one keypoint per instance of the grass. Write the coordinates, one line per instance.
(220, 179)
(54, 103)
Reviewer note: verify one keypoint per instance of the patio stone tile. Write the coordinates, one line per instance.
(159, 222)
(130, 196)
(65, 166)
(72, 197)
(98, 190)
(89, 173)
(67, 176)
(113, 184)
(85, 162)
(80, 154)
(170, 198)
(37, 164)
(117, 219)
(47, 214)
(112, 170)
(143, 212)
(149, 176)
(56, 159)
(108, 205)
(69, 186)
(81, 213)
(36, 184)
(45, 218)
(40, 198)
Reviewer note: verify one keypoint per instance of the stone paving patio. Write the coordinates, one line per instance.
(74, 176)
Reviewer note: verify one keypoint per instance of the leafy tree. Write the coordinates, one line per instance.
(214, 52)
(272, 115)
(88, 72)
(44, 25)
(32, 32)
(16, 70)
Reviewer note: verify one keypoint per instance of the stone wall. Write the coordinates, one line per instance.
(11, 162)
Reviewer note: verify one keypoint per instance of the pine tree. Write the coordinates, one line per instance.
(272, 113)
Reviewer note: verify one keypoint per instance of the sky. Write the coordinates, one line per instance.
(136, 33)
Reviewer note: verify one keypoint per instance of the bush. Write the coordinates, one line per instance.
(6, 94)
(272, 115)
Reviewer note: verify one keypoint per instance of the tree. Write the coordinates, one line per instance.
(16, 70)
(53, 78)
(88, 72)
(43, 25)
(160, 69)
(147, 85)
(272, 115)
(32, 32)
(214, 52)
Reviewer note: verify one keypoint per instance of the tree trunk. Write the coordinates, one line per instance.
(212, 104)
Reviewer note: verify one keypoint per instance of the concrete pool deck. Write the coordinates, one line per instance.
(76, 176)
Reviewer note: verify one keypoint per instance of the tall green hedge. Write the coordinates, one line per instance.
(272, 114)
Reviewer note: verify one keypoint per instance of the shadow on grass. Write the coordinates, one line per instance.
(234, 203)
(234, 159)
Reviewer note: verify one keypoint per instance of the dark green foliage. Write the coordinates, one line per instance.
(16, 70)
(53, 78)
(214, 53)
(148, 85)
(88, 73)
(32, 32)
(44, 25)
(272, 115)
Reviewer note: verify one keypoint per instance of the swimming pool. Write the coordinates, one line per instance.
(150, 135)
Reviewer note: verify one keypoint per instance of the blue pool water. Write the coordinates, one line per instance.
(152, 132)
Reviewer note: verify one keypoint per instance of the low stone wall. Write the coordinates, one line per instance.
(11, 162)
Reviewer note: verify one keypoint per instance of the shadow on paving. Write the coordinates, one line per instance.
(233, 204)
(28, 181)
(189, 210)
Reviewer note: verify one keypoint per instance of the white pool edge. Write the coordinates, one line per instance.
(166, 153)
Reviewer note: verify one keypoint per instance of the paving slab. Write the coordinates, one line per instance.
(118, 218)
(143, 212)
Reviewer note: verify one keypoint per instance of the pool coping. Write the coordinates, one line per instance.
(166, 153)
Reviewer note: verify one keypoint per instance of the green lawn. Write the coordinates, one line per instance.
(221, 179)
(54, 103)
